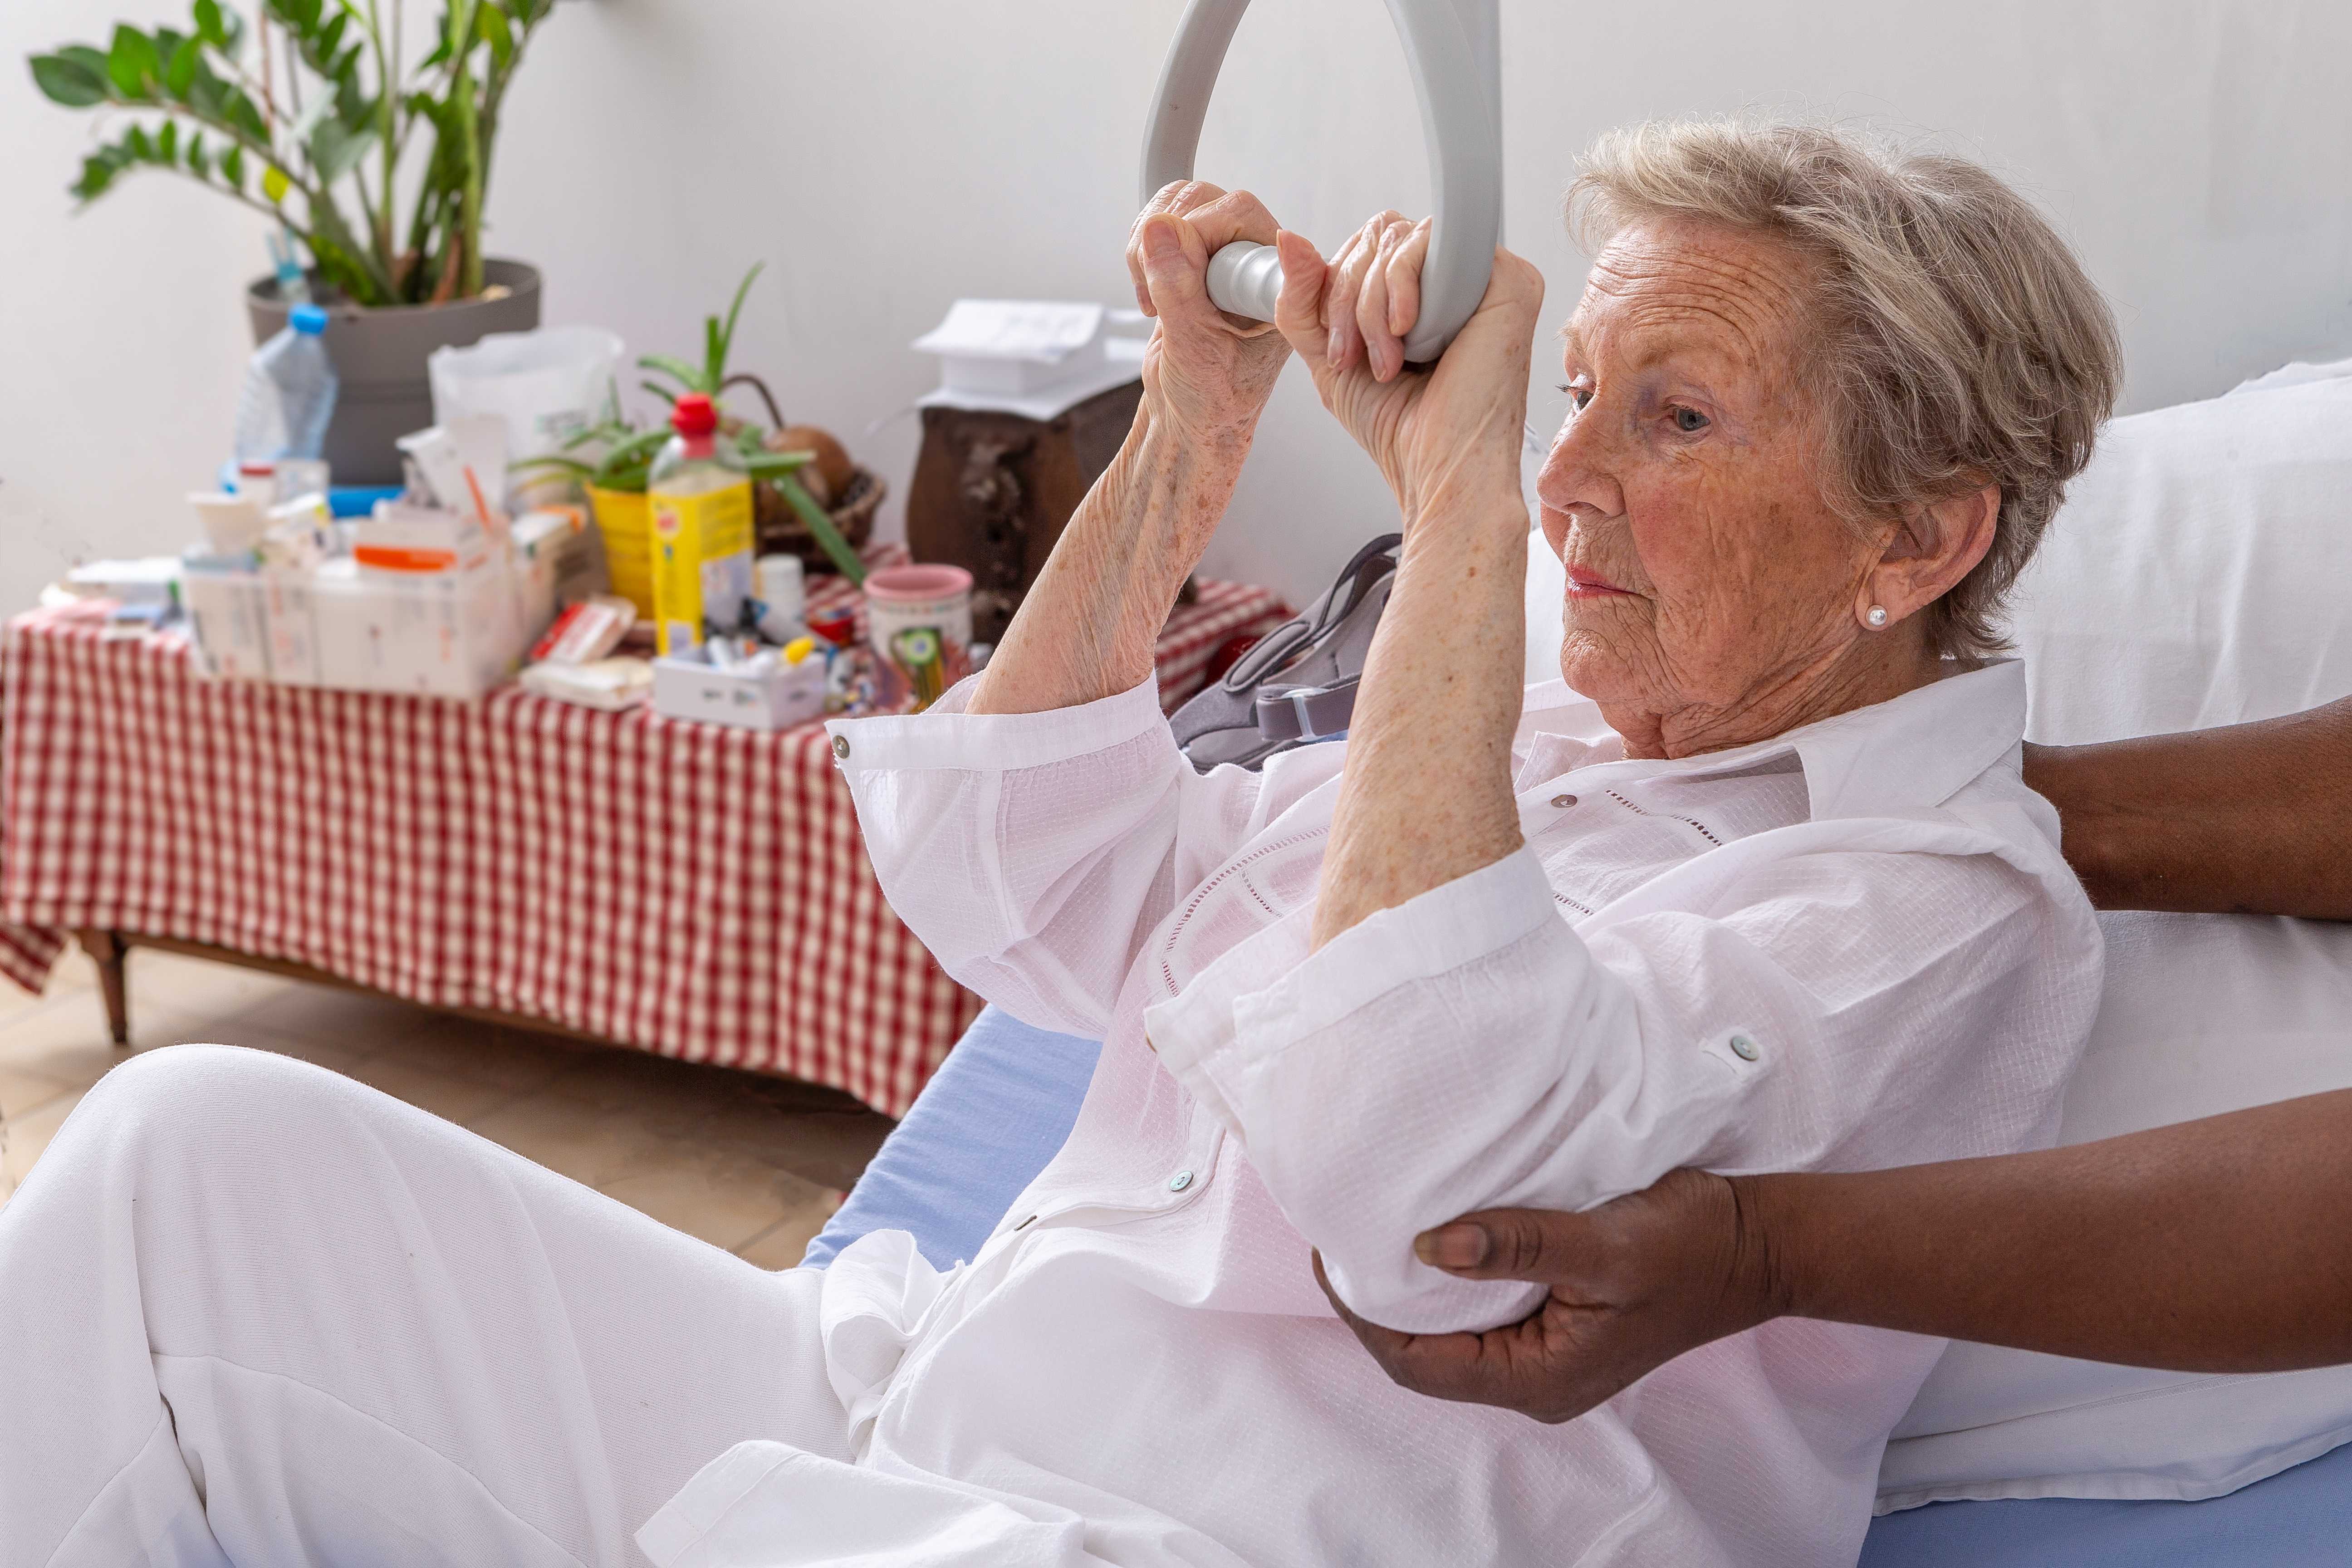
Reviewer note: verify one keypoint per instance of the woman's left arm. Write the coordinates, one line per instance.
(1426, 794)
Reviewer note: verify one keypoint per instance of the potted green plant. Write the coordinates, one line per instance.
(612, 461)
(378, 167)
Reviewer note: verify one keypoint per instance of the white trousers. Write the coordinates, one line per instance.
(254, 1313)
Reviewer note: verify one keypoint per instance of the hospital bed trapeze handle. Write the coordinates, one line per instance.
(1457, 122)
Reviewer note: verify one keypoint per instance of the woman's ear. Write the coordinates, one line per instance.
(1930, 551)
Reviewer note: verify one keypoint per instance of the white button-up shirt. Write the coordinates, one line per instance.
(1854, 945)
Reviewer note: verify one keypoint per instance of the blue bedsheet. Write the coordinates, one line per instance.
(1001, 1105)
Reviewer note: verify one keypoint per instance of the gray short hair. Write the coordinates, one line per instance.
(1957, 340)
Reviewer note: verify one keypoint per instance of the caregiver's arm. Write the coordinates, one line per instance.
(2223, 1245)
(1086, 628)
(2253, 817)
(1426, 795)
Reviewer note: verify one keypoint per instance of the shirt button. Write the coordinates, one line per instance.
(841, 747)
(1180, 1181)
(1563, 801)
(1744, 1048)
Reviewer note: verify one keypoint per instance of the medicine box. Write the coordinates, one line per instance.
(439, 634)
(287, 613)
(229, 609)
(772, 696)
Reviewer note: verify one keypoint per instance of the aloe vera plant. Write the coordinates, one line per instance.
(627, 453)
(308, 116)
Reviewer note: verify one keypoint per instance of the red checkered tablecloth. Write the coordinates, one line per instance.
(694, 891)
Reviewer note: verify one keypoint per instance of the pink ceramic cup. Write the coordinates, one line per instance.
(919, 620)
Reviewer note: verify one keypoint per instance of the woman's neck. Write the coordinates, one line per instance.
(1867, 671)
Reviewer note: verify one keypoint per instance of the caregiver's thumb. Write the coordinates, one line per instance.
(1533, 1245)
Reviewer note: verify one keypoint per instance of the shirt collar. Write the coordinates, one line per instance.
(1889, 759)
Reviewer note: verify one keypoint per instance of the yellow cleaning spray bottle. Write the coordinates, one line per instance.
(699, 495)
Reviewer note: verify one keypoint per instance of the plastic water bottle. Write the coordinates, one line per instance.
(289, 393)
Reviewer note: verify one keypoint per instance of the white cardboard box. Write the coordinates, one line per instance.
(287, 614)
(781, 694)
(229, 610)
(439, 634)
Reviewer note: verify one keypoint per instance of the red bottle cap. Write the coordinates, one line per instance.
(693, 415)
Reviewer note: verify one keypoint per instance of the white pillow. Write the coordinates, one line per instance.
(2197, 576)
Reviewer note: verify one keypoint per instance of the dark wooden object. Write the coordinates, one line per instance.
(992, 492)
(110, 950)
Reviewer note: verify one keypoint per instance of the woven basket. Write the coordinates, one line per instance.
(779, 531)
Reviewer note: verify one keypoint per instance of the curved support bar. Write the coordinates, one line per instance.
(1456, 122)
(1246, 280)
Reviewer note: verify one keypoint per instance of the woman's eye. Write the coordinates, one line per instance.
(1690, 421)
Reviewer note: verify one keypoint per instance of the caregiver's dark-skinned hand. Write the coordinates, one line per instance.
(1634, 1283)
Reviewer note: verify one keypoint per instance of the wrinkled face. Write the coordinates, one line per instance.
(1686, 492)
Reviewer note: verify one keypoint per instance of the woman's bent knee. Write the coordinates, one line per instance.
(207, 1096)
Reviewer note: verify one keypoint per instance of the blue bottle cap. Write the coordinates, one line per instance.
(308, 318)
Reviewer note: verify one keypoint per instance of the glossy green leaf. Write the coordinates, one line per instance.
(336, 150)
(207, 92)
(232, 166)
(491, 23)
(275, 185)
(239, 112)
(132, 64)
(180, 69)
(68, 82)
(98, 172)
(198, 157)
(167, 142)
(135, 143)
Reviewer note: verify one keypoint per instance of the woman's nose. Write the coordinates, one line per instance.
(1577, 472)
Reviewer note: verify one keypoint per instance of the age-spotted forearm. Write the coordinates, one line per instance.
(1426, 794)
(1088, 625)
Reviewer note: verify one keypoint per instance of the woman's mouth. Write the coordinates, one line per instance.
(1586, 584)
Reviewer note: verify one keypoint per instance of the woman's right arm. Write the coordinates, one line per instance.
(1036, 822)
(1087, 626)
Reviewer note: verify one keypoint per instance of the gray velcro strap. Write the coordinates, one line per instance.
(1304, 712)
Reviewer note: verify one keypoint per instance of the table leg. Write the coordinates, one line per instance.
(107, 950)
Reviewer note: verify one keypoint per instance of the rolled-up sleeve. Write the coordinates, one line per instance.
(1032, 853)
(1469, 1049)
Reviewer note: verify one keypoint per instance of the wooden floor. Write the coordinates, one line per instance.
(750, 1164)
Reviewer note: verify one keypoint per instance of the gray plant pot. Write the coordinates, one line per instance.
(382, 393)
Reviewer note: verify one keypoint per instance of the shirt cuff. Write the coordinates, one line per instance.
(945, 736)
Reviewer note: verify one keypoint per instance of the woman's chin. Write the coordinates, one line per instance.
(1591, 669)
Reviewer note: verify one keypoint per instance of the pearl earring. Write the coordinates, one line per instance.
(1876, 618)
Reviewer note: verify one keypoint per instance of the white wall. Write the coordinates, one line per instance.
(886, 155)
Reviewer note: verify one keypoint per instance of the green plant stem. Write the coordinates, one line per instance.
(465, 105)
(387, 101)
(821, 529)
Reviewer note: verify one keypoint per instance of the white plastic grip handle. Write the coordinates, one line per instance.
(1457, 122)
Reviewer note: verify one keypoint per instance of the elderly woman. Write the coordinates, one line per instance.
(1769, 893)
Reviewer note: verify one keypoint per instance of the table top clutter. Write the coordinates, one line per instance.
(690, 889)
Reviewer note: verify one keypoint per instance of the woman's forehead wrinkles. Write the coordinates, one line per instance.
(1732, 297)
